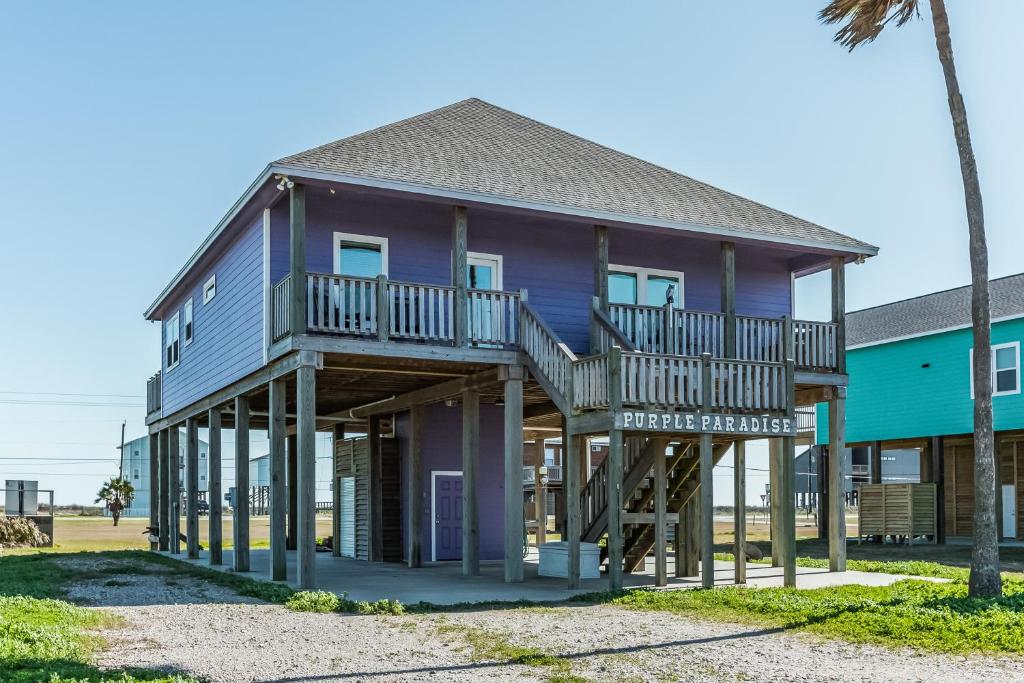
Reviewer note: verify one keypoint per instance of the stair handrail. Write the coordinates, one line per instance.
(550, 360)
(604, 332)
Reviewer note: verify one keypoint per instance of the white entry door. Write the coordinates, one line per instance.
(1009, 511)
(483, 272)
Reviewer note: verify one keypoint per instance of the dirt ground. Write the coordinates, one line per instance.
(183, 624)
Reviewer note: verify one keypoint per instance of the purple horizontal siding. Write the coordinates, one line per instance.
(228, 331)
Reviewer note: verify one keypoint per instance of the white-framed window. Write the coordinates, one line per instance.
(172, 350)
(645, 286)
(1005, 369)
(210, 289)
(484, 271)
(187, 318)
(360, 255)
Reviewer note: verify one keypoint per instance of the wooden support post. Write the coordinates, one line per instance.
(336, 437)
(514, 522)
(154, 487)
(192, 488)
(374, 475)
(470, 460)
(836, 482)
(215, 489)
(174, 488)
(775, 498)
(660, 520)
(297, 257)
(707, 516)
(787, 527)
(460, 271)
(165, 490)
(689, 532)
(839, 309)
(739, 493)
(293, 491)
(278, 494)
(540, 491)
(613, 495)
(821, 503)
(573, 449)
(939, 473)
(240, 527)
(728, 250)
(305, 482)
(601, 266)
(414, 502)
(876, 475)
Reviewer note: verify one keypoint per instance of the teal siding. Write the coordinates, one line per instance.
(893, 396)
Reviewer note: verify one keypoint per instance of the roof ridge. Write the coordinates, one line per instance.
(928, 294)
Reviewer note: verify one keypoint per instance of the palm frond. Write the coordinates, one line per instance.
(862, 20)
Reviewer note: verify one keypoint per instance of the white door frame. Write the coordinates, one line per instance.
(496, 260)
(433, 506)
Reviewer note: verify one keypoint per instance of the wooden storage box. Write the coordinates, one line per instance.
(905, 510)
(554, 560)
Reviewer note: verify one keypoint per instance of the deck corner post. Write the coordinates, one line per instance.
(739, 450)
(192, 488)
(278, 495)
(836, 480)
(297, 257)
(305, 484)
(707, 463)
(573, 447)
(515, 522)
(788, 340)
(728, 250)
(470, 460)
(788, 510)
(615, 472)
(460, 270)
(215, 489)
(383, 309)
(839, 310)
(174, 489)
(240, 507)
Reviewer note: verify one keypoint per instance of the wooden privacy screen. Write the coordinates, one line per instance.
(904, 510)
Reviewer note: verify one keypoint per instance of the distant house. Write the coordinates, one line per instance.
(911, 396)
(467, 275)
(135, 468)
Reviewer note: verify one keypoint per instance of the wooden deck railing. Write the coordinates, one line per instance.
(421, 312)
(590, 382)
(604, 333)
(659, 380)
(280, 309)
(154, 393)
(670, 331)
(341, 304)
(493, 317)
(550, 357)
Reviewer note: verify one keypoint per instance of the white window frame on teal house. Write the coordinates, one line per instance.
(995, 347)
(369, 240)
(641, 281)
(172, 342)
(189, 326)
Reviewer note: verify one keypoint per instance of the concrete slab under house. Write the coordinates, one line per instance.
(439, 291)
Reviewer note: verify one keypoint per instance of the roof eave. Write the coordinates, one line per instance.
(609, 216)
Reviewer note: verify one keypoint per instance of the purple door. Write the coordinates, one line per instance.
(448, 517)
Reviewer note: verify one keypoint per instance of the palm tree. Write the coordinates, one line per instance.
(118, 494)
(861, 21)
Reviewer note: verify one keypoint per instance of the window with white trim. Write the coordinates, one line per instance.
(210, 289)
(1005, 369)
(645, 286)
(360, 255)
(188, 321)
(172, 350)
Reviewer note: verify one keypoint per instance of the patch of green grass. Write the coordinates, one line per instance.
(905, 567)
(487, 645)
(325, 601)
(923, 614)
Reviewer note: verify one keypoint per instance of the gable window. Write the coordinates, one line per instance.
(188, 321)
(1005, 369)
(171, 349)
(210, 289)
(644, 286)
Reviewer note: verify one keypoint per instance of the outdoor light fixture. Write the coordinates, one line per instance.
(860, 259)
(284, 182)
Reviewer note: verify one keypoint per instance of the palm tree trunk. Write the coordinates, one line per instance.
(985, 580)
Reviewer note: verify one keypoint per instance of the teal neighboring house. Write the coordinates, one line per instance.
(909, 364)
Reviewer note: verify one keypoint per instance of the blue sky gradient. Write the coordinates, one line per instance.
(128, 129)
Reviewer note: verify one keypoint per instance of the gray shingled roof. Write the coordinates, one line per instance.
(932, 312)
(473, 146)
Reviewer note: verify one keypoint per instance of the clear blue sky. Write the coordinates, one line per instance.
(128, 129)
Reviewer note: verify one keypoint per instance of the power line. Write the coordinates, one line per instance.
(26, 402)
(57, 393)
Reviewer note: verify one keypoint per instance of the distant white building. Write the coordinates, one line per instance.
(135, 467)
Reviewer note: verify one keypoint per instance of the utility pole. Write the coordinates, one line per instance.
(120, 462)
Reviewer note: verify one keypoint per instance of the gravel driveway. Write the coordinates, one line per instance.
(192, 626)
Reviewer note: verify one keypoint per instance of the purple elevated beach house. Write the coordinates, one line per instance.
(439, 290)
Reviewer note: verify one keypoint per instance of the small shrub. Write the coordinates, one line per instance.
(21, 532)
(314, 601)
